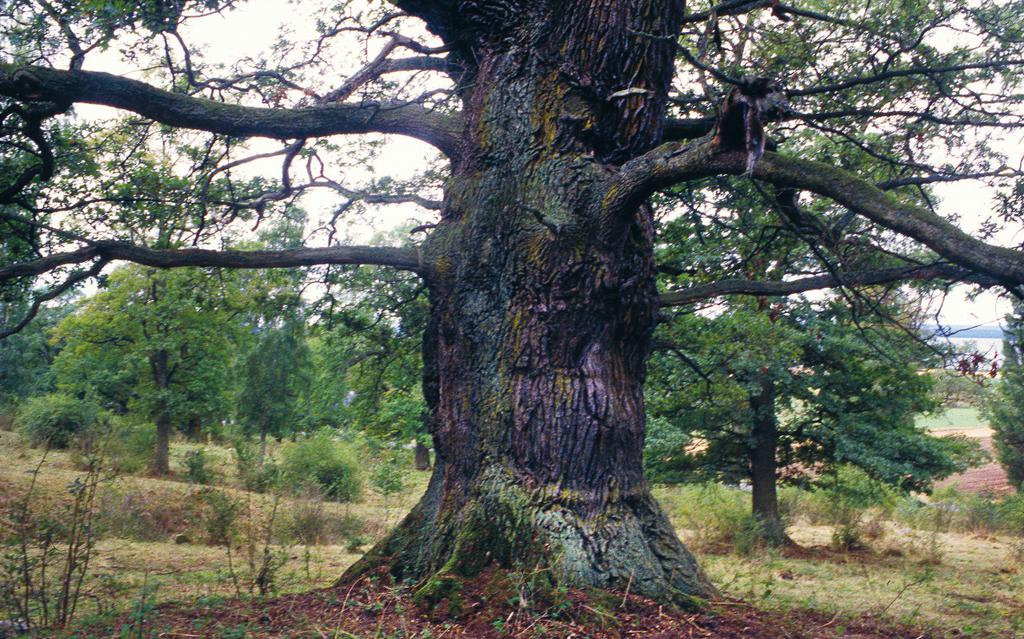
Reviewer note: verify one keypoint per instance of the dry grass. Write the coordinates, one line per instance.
(975, 588)
(165, 508)
(970, 584)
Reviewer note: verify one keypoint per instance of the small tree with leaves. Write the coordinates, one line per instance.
(275, 374)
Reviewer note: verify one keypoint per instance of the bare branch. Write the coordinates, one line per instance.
(946, 272)
(370, 197)
(901, 73)
(401, 258)
(70, 282)
(383, 64)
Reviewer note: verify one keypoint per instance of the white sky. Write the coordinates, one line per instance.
(245, 33)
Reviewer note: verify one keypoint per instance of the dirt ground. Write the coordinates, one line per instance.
(989, 479)
(372, 607)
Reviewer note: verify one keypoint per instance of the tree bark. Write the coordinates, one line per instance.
(194, 428)
(763, 466)
(162, 454)
(542, 317)
(422, 457)
(158, 363)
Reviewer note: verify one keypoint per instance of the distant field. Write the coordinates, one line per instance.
(987, 479)
(955, 419)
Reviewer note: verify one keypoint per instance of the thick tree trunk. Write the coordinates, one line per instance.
(763, 466)
(542, 315)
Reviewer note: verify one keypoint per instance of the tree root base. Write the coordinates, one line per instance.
(540, 546)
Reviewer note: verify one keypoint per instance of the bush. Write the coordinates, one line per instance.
(388, 477)
(955, 390)
(220, 516)
(1011, 511)
(255, 474)
(950, 510)
(323, 462)
(721, 517)
(307, 522)
(53, 420)
(969, 512)
(127, 446)
(845, 498)
(794, 502)
(197, 469)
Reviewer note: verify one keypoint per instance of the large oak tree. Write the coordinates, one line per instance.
(558, 121)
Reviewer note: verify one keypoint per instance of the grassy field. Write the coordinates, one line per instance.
(971, 583)
(955, 419)
(974, 586)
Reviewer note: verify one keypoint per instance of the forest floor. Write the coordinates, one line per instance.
(161, 579)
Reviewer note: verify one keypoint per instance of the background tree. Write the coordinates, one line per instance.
(789, 396)
(156, 343)
(558, 122)
(770, 389)
(375, 334)
(275, 375)
(1005, 409)
(25, 357)
(274, 356)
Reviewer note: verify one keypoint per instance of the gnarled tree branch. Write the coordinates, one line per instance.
(69, 283)
(675, 162)
(174, 109)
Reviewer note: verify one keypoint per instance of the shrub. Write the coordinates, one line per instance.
(53, 420)
(307, 523)
(322, 461)
(45, 555)
(971, 512)
(127, 446)
(144, 514)
(220, 516)
(953, 390)
(952, 510)
(197, 469)
(845, 498)
(255, 474)
(915, 513)
(388, 477)
(793, 503)
(721, 517)
(1011, 511)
